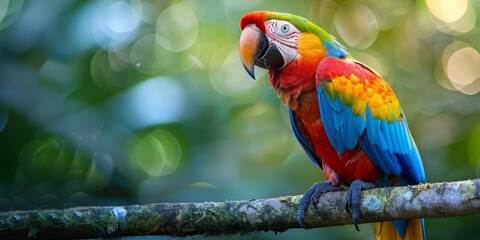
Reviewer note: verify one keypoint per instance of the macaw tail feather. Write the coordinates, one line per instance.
(414, 229)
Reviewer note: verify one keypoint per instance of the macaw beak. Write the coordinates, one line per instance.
(255, 50)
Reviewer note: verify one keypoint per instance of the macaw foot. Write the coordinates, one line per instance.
(312, 195)
(353, 198)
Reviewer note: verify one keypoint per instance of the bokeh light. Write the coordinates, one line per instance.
(154, 101)
(464, 24)
(357, 25)
(3, 9)
(460, 64)
(228, 78)
(157, 153)
(103, 76)
(119, 60)
(371, 60)
(263, 135)
(115, 25)
(448, 11)
(177, 28)
(148, 56)
(146, 10)
(463, 70)
(121, 17)
(49, 167)
(452, 17)
(38, 157)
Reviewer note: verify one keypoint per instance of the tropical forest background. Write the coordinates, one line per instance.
(114, 102)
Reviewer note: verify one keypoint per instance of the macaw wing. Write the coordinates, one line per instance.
(358, 107)
(304, 141)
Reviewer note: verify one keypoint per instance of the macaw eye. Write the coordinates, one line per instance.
(285, 28)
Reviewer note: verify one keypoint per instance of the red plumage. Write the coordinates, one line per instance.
(296, 85)
(257, 18)
(344, 168)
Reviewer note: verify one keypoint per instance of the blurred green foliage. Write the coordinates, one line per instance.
(129, 102)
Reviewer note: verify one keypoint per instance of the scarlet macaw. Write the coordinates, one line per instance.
(343, 113)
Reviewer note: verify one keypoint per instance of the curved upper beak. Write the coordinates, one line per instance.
(256, 50)
(253, 44)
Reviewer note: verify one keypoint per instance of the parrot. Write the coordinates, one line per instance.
(343, 113)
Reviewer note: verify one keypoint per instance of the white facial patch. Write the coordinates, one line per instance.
(284, 36)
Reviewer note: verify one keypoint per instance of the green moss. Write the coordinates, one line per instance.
(471, 190)
(105, 221)
(44, 220)
(400, 191)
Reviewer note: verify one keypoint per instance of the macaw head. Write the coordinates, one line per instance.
(273, 40)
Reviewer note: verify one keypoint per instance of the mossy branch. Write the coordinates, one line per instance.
(431, 200)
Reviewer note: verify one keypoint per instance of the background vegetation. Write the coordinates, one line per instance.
(130, 102)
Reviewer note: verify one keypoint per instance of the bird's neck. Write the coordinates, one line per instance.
(295, 83)
(295, 86)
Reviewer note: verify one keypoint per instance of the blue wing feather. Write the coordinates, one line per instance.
(340, 142)
(349, 139)
(388, 144)
(308, 149)
(336, 105)
(373, 126)
(388, 137)
(392, 131)
(408, 145)
(327, 118)
(360, 123)
(372, 153)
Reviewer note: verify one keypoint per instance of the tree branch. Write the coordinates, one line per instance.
(431, 200)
